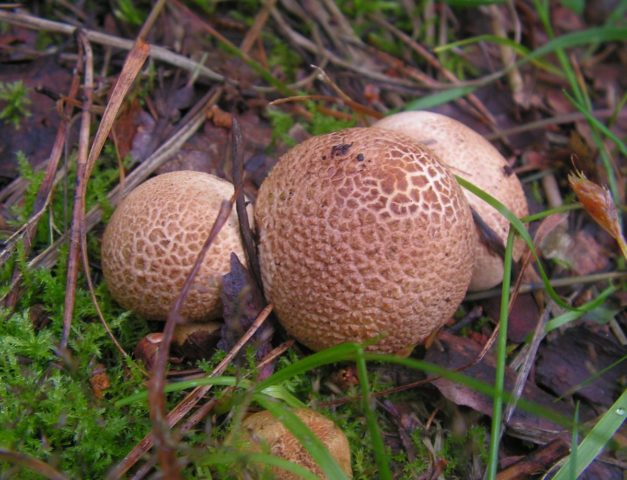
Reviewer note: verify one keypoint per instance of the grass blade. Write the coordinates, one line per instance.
(339, 353)
(596, 439)
(550, 211)
(566, 317)
(521, 50)
(569, 40)
(275, 391)
(313, 444)
(522, 231)
(595, 122)
(501, 357)
(440, 98)
(229, 458)
(375, 434)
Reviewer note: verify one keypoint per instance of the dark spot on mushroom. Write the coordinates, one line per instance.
(360, 157)
(507, 170)
(341, 149)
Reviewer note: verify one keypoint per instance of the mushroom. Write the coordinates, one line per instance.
(152, 241)
(473, 158)
(262, 431)
(364, 235)
(196, 340)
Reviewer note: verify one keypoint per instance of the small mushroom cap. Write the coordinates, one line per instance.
(363, 235)
(153, 238)
(262, 429)
(473, 158)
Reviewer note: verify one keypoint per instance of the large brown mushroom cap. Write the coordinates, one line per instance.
(475, 159)
(363, 234)
(262, 428)
(153, 238)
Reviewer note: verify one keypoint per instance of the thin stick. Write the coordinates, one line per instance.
(34, 464)
(190, 401)
(433, 61)
(156, 52)
(240, 202)
(156, 393)
(560, 282)
(508, 56)
(557, 120)
(92, 294)
(358, 107)
(206, 408)
(82, 175)
(523, 374)
(135, 60)
(44, 195)
(255, 30)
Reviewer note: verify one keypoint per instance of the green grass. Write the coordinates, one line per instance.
(595, 441)
(49, 411)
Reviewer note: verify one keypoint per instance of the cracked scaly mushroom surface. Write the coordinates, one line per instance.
(475, 159)
(363, 234)
(153, 238)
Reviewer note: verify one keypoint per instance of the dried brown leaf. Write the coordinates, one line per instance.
(598, 203)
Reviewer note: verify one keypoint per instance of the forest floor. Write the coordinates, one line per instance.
(96, 97)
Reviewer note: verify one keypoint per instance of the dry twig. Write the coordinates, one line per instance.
(82, 176)
(156, 52)
(130, 70)
(44, 195)
(190, 401)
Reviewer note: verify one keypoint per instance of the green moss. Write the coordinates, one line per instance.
(49, 410)
(14, 103)
(321, 124)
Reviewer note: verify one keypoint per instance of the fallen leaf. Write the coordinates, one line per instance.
(575, 356)
(125, 128)
(537, 462)
(587, 255)
(522, 319)
(458, 352)
(241, 303)
(37, 132)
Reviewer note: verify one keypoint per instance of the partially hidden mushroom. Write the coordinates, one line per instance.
(473, 158)
(263, 432)
(363, 235)
(194, 341)
(153, 238)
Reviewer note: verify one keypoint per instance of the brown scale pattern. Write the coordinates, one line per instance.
(261, 430)
(375, 240)
(153, 239)
(472, 157)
